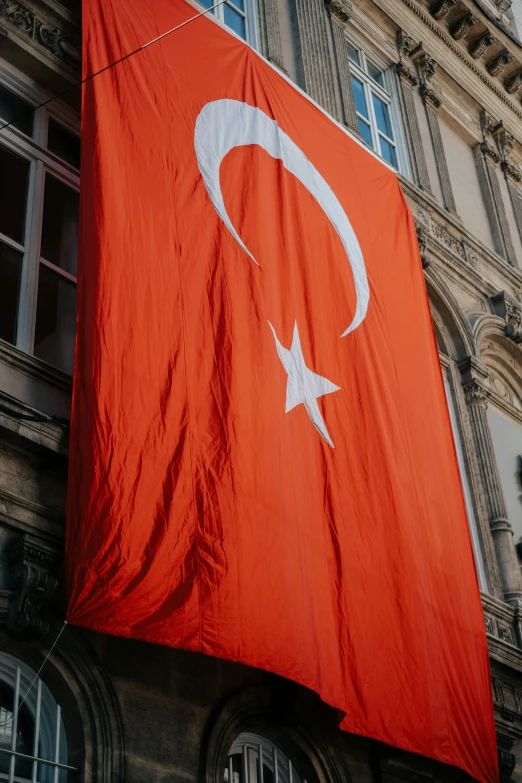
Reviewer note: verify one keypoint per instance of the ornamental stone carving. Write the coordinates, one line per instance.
(481, 44)
(32, 566)
(513, 82)
(52, 39)
(475, 393)
(340, 9)
(511, 312)
(497, 65)
(431, 96)
(441, 8)
(463, 26)
(422, 239)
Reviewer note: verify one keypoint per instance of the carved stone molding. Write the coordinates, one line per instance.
(476, 394)
(422, 239)
(51, 38)
(506, 760)
(511, 312)
(481, 44)
(441, 8)
(431, 96)
(459, 29)
(513, 82)
(497, 65)
(490, 152)
(404, 72)
(340, 9)
(32, 568)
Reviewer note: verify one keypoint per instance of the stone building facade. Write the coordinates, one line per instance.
(435, 87)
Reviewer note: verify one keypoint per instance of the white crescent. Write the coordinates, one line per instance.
(225, 124)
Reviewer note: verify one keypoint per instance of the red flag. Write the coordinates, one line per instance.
(262, 466)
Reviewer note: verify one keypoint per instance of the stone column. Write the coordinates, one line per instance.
(315, 51)
(487, 159)
(476, 396)
(339, 12)
(270, 32)
(408, 82)
(432, 102)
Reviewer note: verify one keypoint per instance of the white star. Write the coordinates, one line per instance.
(304, 386)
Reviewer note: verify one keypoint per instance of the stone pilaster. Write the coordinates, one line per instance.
(512, 172)
(432, 103)
(317, 64)
(408, 82)
(339, 12)
(270, 32)
(487, 157)
(476, 396)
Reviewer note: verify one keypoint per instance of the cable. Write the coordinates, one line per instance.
(42, 417)
(43, 664)
(116, 62)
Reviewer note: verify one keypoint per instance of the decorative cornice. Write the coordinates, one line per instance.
(513, 82)
(441, 8)
(341, 10)
(459, 29)
(497, 65)
(481, 44)
(54, 40)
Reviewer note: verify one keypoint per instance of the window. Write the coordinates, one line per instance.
(33, 744)
(373, 105)
(239, 15)
(39, 180)
(254, 759)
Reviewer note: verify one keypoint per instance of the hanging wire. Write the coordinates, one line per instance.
(116, 62)
(43, 664)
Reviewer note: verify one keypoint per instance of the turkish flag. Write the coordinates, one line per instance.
(262, 465)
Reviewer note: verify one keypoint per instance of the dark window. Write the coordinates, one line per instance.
(16, 111)
(55, 319)
(14, 178)
(10, 272)
(24, 734)
(63, 143)
(60, 225)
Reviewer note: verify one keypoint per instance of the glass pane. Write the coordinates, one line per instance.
(239, 4)
(55, 320)
(365, 132)
(353, 54)
(60, 225)
(375, 73)
(388, 152)
(63, 143)
(16, 111)
(382, 115)
(235, 21)
(24, 733)
(10, 272)
(14, 179)
(359, 97)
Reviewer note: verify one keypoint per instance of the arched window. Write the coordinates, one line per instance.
(33, 744)
(254, 759)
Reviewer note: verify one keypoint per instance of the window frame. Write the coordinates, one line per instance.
(387, 92)
(251, 16)
(41, 161)
(30, 691)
